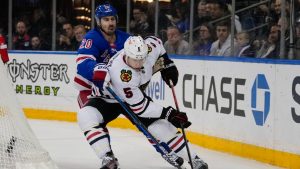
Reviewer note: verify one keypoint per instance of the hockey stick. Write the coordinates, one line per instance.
(182, 128)
(162, 148)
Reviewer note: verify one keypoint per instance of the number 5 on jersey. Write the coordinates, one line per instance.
(128, 92)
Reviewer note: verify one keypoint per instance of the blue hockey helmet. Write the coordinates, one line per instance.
(105, 10)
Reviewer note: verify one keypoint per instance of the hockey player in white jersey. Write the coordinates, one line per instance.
(128, 72)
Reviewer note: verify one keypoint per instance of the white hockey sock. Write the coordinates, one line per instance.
(99, 140)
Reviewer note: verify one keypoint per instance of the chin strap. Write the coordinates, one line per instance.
(125, 58)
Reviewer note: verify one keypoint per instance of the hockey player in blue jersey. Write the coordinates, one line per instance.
(98, 46)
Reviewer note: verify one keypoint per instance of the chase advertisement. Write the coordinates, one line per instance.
(251, 102)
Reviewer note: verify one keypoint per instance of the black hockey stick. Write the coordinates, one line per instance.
(182, 128)
(162, 148)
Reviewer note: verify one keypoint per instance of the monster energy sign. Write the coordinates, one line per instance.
(35, 74)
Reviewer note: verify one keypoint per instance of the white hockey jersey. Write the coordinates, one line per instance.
(125, 81)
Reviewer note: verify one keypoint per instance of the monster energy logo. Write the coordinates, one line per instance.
(37, 90)
(32, 71)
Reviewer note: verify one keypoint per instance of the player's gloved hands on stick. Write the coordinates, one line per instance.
(169, 72)
(101, 76)
(175, 117)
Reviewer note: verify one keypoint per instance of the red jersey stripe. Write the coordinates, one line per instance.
(177, 142)
(82, 83)
(93, 134)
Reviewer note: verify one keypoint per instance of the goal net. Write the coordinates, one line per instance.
(19, 147)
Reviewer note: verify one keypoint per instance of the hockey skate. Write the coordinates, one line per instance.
(199, 164)
(110, 162)
(174, 159)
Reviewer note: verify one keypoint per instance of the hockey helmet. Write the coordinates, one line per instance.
(135, 48)
(105, 10)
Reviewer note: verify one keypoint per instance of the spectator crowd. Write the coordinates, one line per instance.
(212, 30)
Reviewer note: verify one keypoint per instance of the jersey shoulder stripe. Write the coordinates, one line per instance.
(82, 83)
(82, 57)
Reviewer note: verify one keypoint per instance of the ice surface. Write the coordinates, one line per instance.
(68, 148)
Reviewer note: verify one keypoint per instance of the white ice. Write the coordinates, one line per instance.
(69, 150)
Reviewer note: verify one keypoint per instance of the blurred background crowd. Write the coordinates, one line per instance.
(235, 28)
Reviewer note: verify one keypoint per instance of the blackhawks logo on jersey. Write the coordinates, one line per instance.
(126, 75)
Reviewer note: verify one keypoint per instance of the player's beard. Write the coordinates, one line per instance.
(110, 30)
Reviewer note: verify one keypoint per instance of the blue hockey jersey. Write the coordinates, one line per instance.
(95, 49)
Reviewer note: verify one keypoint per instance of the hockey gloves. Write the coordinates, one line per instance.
(175, 117)
(101, 76)
(169, 72)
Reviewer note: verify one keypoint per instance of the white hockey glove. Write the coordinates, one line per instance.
(101, 77)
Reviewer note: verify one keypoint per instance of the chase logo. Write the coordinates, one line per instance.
(260, 94)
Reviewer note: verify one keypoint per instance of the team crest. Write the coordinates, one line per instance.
(126, 75)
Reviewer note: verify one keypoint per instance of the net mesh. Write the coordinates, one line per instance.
(19, 147)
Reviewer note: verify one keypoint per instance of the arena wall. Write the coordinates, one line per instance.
(243, 106)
